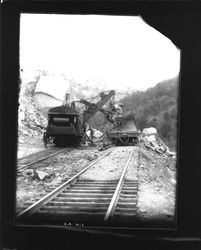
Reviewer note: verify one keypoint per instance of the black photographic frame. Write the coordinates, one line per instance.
(180, 22)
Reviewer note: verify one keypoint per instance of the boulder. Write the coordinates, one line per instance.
(153, 141)
(171, 163)
(170, 153)
(154, 144)
(151, 138)
(40, 175)
(88, 133)
(97, 133)
(149, 131)
(20, 140)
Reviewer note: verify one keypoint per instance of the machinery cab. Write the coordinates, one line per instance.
(64, 125)
(62, 120)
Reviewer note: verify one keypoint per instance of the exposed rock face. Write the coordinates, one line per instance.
(31, 122)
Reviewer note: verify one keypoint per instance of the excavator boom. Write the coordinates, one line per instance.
(92, 108)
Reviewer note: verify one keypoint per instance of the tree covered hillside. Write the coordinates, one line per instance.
(157, 107)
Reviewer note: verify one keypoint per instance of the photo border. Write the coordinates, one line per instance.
(169, 18)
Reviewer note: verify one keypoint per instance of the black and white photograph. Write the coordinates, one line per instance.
(98, 110)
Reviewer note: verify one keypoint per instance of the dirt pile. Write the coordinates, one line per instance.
(157, 178)
(157, 186)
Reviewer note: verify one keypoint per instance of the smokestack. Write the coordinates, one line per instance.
(67, 100)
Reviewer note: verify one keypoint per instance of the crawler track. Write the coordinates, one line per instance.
(82, 199)
(35, 158)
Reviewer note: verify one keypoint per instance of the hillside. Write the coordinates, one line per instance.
(157, 107)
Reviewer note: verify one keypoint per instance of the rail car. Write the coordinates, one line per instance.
(125, 131)
(65, 126)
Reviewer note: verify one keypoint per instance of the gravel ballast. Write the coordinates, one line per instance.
(156, 180)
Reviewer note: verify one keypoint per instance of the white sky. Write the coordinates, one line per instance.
(119, 51)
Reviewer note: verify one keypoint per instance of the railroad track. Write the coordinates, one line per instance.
(79, 199)
(30, 160)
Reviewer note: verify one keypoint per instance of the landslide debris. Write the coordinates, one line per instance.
(152, 141)
(157, 179)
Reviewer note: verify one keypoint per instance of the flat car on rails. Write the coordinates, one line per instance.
(125, 131)
(65, 126)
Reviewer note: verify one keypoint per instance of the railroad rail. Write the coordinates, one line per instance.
(115, 198)
(82, 199)
(26, 162)
(33, 154)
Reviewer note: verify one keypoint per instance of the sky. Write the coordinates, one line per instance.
(119, 51)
